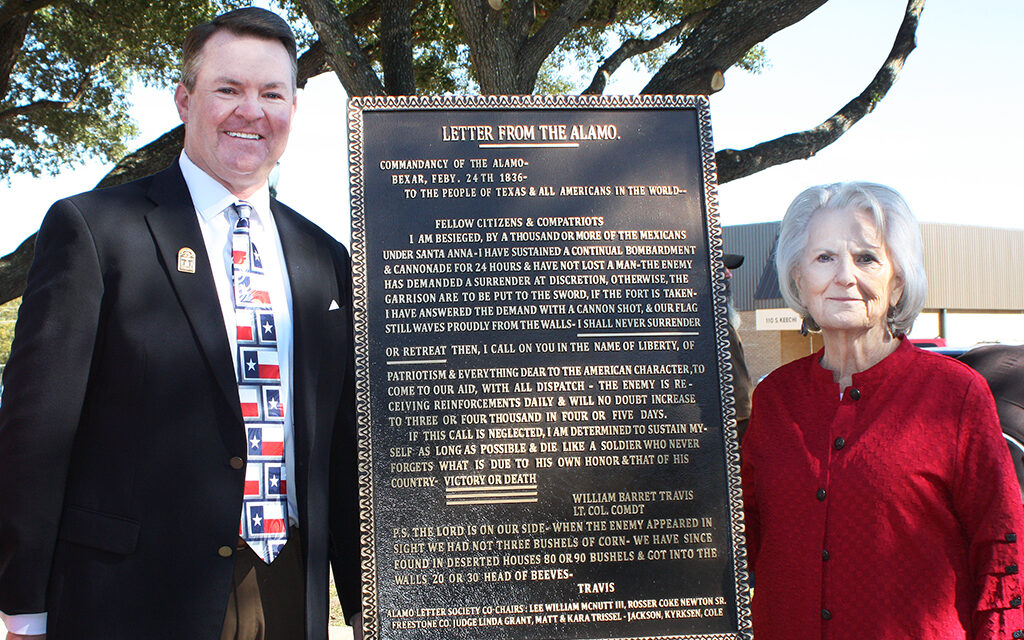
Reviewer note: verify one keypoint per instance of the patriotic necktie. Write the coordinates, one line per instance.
(264, 524)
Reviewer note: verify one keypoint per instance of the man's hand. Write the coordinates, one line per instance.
(17, 636)
(356, 622)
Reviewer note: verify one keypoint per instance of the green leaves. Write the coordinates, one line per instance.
(67, 95)
(8, 316)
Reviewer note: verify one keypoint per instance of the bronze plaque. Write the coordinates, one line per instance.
(547, 442)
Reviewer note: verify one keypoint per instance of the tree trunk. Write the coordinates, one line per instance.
(14, 270)
(12, 37)
(343, 50)
(396, 47)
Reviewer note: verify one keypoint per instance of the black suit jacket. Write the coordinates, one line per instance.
(120, 419)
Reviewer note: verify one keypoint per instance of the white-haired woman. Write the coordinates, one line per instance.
(880, 500)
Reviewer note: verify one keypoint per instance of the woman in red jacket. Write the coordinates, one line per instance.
(880, 500)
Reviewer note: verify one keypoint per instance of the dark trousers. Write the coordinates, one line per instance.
(267, 602)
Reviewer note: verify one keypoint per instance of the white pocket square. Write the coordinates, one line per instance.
(334, 305)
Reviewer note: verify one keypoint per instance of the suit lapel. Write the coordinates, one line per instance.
(174, 226)
(307, 278)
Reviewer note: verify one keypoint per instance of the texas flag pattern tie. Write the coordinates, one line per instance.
(264, 524)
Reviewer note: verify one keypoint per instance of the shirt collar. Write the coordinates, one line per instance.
(211, 197)
(871, 378)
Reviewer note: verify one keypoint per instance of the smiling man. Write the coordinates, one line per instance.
(177, 427)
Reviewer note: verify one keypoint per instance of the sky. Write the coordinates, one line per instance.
(946, 136)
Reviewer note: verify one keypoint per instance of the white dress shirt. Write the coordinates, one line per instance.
(213, 206)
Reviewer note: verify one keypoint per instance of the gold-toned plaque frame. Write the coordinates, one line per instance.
(356, 108)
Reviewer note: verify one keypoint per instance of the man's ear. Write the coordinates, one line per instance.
(181, 101)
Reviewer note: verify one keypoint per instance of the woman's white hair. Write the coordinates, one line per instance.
(895, 223)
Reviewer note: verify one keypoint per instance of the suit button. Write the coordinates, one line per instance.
(225, 552)
(1018, 634)
(236, 463)
(821, 495)
(839, 443)
(1011, 569)
(1011, 537)
(826, 614)
(854, 393)
(1015, 602)
(824, 555)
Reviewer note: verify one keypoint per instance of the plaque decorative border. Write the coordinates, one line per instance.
(356, 108)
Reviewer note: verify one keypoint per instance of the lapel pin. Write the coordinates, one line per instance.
(186, 260)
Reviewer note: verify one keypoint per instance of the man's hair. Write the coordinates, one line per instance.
(250, 21)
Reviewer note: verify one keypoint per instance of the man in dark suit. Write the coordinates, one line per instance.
(126, 438)
(742, 385)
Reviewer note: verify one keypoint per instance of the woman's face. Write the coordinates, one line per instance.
(844, 276)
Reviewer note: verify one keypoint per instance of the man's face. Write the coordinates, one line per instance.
(238, 114)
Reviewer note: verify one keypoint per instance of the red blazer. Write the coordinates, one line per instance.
(890, 514)
(120, 417)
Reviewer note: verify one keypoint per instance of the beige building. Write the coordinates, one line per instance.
(974, 291)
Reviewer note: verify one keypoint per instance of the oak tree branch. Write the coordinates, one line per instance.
(733, 164)
(638, 46)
